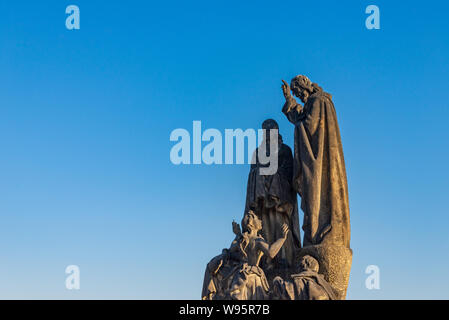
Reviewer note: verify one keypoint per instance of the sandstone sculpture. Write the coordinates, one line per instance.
(273, 198)
(307, 285)
(236, 274)
(316, 172)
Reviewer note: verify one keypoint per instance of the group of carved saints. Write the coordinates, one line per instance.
(267, 259)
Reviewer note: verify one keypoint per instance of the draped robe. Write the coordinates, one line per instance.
(274, 200)
(319, 170)
(307, 285)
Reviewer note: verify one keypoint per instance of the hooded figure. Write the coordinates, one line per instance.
(319, 167)
(273, 198)
(307, 285)
(250, 282)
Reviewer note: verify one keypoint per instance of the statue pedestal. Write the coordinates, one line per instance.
(335, 264)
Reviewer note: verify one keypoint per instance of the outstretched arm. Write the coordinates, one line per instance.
(273, 250)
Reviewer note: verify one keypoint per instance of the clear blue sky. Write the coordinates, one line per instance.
(86, 115)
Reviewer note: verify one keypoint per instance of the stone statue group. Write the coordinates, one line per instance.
(266, 259)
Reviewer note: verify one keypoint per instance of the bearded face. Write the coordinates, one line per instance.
(301, 93)
(301, 88)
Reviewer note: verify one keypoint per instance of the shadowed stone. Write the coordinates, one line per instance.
(317, 172)
(335, 265)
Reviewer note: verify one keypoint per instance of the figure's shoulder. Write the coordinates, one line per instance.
(312, 101)
(321, 95)
(320, 98)
(285, 149)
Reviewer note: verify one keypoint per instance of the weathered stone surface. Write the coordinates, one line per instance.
(335, 265)
(319, 168)
(319, 177)
(246, 281)
(308, 284)
(274, 200)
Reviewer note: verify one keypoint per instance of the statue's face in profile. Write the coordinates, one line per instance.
(299, 91)
(254, 221)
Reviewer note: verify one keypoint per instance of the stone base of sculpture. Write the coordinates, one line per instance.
(321, 271)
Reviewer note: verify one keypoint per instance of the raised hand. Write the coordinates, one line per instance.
(285, 230)
(236, 228)
(286, 90)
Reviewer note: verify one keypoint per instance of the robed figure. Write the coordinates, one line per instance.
(221, 269)
(250, 282)
(319, 168)
(273, 198)
(306, 285)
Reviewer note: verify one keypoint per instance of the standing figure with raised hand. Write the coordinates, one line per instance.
(319, 167)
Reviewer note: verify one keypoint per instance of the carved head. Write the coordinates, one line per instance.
(251, 222)
(307, 263)
(270, 124)
(302, 87)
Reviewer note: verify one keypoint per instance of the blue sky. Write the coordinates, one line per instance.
(86, 115)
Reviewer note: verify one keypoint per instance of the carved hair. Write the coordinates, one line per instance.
(303, 82)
